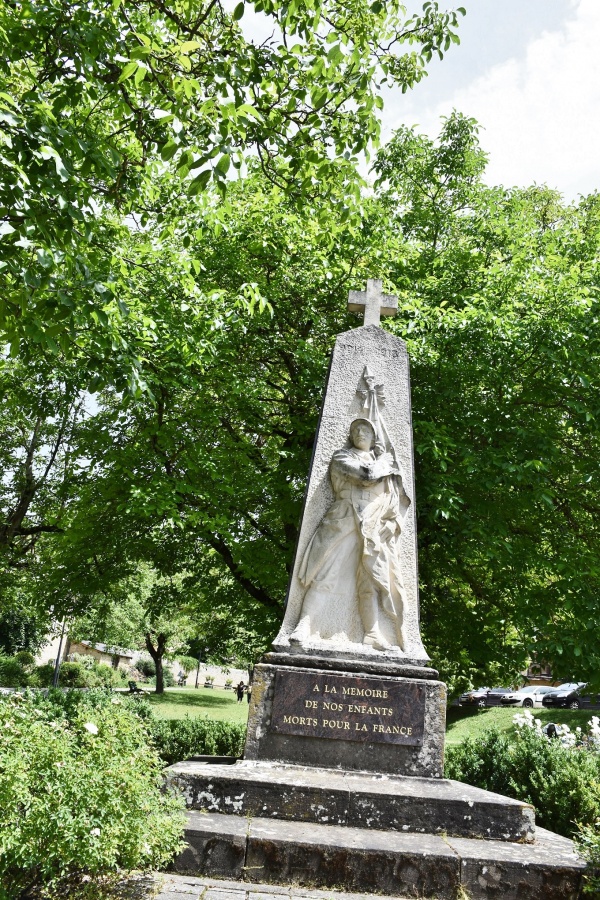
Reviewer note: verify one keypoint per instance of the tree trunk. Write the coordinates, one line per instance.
(157, 654)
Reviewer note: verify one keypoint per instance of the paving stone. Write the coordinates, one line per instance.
(213, 894)
(252, 895)
(177, 895)
(189, 886)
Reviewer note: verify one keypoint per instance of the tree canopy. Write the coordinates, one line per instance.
(160, 416)
(98, 99)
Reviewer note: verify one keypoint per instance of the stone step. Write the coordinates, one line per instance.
(360, 800)
(187, 887)
(371, 861)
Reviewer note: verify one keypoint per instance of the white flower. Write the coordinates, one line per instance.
(95, 832)
(89, 726)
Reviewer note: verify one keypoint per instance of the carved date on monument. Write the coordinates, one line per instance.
(348, 708)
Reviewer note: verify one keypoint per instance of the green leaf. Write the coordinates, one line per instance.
(222, 167)
(238, 12)
(199, 182)
(128, 71)
(169, 150)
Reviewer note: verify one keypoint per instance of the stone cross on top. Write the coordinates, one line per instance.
(372, 302)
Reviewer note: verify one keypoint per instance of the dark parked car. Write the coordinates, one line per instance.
(483, 696)
(494, 697)
(476, 697)
(570, 695)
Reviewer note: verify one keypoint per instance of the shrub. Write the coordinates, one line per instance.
(25, 658)
(12, 672)
(562, 784)
(80, 793)
(73, 674)
(146, 666)
(187, 663)
(43, 675)
(176, 740)
(588, 845)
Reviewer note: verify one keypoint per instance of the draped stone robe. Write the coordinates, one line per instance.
(354, 550)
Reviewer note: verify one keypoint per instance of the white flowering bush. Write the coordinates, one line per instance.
(80, 794)
(560, 777)
(589, 739)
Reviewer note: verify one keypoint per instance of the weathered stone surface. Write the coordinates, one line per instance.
(347, 662)
(548, 869)
(216, 846)
(356, 859)
(270, 790)
(424, 760)
(185, 886)
(387, 359)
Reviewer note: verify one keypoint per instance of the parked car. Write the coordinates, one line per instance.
(529, 696)
(570, 695)
(476, 697)
(494, 697)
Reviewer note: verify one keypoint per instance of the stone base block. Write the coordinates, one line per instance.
(216, 845)
(369, 861)
(373, 752)
(360, 800)
(358, 859)
(548, 869)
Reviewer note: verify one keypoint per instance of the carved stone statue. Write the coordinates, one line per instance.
(353, 592)
(353, 557)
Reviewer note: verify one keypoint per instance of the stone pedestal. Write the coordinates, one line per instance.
(342, 779)
(342, 720)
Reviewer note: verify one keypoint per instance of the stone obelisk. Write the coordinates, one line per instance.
(348, 683)
(365, 361)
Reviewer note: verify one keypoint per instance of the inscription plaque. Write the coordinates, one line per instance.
(348, 708)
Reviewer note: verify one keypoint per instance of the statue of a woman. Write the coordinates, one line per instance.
(352, 557)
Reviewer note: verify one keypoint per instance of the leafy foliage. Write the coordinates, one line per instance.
(178, 739)
(588, 845)
(80, 791)
(562, 784)
(97, 99)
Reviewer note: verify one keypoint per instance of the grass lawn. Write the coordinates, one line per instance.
(176, 703)
(462, 723)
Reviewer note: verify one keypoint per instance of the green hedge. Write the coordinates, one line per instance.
(563, 784)
(180, 739)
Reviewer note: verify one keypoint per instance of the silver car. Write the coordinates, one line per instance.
(527, 696)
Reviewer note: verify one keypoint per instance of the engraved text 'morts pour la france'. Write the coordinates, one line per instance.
(348, 708)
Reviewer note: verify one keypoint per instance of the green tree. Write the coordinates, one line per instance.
(97, 99)
(500, 313)
(203, 471)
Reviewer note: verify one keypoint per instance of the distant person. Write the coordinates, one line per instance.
(248, 693)
(240, 691)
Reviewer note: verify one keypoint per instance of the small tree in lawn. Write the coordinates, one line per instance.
(143, 609)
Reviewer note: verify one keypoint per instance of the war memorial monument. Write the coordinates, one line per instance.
(341, 784)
